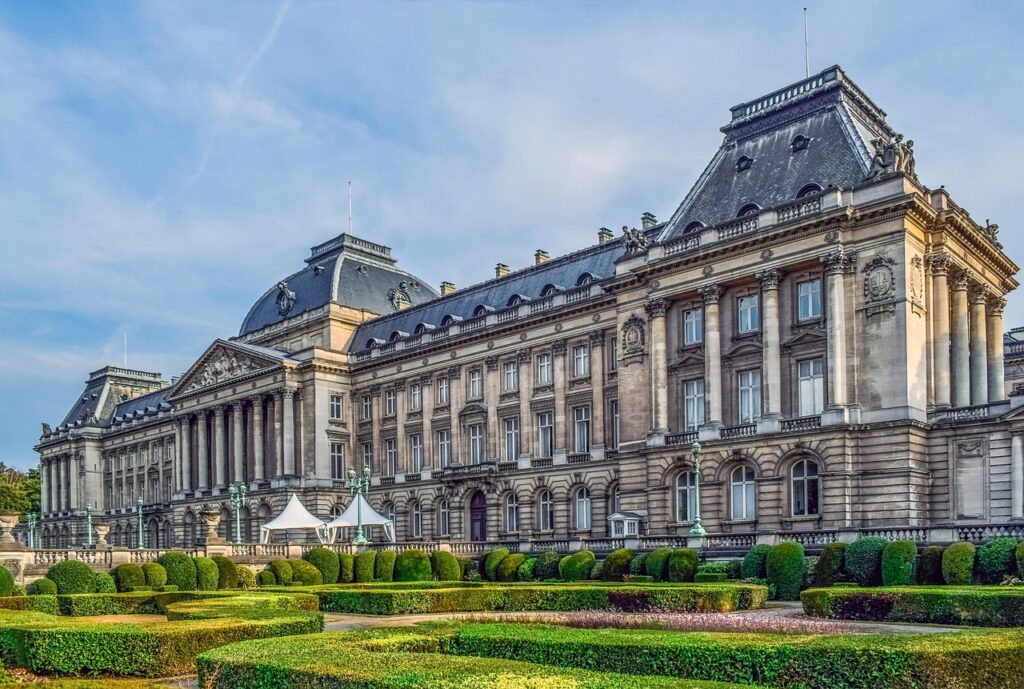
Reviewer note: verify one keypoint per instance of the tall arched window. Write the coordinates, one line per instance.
(511, 513)
(444, 519)
(545, 511)
(416, 520)
(686, 496)
(804, 488)
(743, 492)
(583, 509)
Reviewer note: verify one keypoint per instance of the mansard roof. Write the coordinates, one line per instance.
(818, 131)
(104, 390)
(345, 270)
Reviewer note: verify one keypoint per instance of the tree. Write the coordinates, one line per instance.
(20, 491)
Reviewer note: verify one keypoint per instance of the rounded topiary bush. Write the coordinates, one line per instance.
(266, 578)
(829, 567)
(363, 567)
(305, 573)
(104, 583)
(958, 564)
(682, 564)
(129, 575)
(929, 566)
(227, 572)
(413, 565)
(6, 582)
(863, 560)
(508, 569)
(657, 563)
(181, 571)
(547, 565)
(576, 567)
(44, 587)
(616, 565)
(899, 563)
(595, 571)
(282, 570)
(346, 568)
(784, 567)
(1020, 559)
(207, 574)
(384, 566)
(72, 576)
(445, 566)
(155, 575)
(753, 565)
(996, 559)
(527, 570)
(638, 565)
(246, 578)
(326, 561)
(491, 562)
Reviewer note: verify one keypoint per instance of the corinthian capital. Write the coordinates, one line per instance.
(769, 278)
(656, 308)
(962, 280)
(711, 293)
(838, 261)
(996, 306)
(938, 264)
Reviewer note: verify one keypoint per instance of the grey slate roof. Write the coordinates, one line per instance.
(828, 108)
(346, 270)
(144, 404)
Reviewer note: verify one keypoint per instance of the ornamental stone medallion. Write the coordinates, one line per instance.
(879, 285)
(633, 337)
(916, 279)
(285, 298)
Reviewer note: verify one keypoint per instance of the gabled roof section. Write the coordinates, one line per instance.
(227, 362)
(105, 389)
(818, 131)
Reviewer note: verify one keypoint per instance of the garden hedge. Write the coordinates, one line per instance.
(785, 568)
(445, 566)
(657, 563)
(102, 582)
(304, 573)
(246, 578)
(985, 606)
(326, 561)
(616, 565)
(346, 568)
(363, 567)
(129, 575)
(384, 565)
(266, 578)
(638, 565)
(154, 574)
(682, 564)
(72, 576)
(863, 560)
(707, 577)
(413, 565)
(595, 570)
(899, 563)
(547, 565)
(227, 572)
(576, 567)
(207, 573)
(996, 560)
(6, 584)
(929, 566)
(527, 570)
(282, 570)
(490, 561)
(958, 564)
(181, 571)
(829, 567)
(44, 587)
(508, 568)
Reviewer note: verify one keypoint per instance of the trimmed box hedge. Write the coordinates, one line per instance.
(981, 606)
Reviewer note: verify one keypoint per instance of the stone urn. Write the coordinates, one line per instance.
(101, 529)
(211, 517)
(9, 520)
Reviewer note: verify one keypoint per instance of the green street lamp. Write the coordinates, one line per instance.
(357, 485)
(138, 516)
(697, 529)
(88, 526)
(32, 519)
(237, 494)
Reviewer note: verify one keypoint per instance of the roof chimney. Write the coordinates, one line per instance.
(540, 256)
(447, 288)
(500, 270)
(604, 235)
(648, 220)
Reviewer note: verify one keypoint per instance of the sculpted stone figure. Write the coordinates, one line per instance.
(634, 240)
(891, 157)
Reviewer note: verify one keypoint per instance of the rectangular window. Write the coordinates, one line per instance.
(812, 387)
(581, 428)
(476, 384)
(544, 369)
(809, 296)
(389, 403)
(545, 434)
(367, 408)
(613, 414)
(693, 404)
(580, 361)
(510, 382)
(338, 460)
(335, 407)
(693, 326)
(442, 391)
(749, 383)
(511, 439)
(416, 452)
(415, 397)
(476, 443)
(613, 354)
(368, 456)
(390, 457)
(444, 448)
(749, 312)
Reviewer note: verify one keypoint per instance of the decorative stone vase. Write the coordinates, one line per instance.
(212, 520)
(101, 529)
(9, 520)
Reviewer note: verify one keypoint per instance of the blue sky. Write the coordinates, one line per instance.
(164, 163)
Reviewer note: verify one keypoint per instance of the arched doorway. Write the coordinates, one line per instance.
(478, 517)
(153, 535)
(190, 530)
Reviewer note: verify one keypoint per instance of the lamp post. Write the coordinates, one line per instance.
(138, 513)
(357, 485)
(237, 493)
(697, 529)
(88, 526)
(32, 518)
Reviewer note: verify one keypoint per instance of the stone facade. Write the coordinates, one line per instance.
(824, 325)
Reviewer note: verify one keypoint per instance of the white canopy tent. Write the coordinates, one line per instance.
(350, 518)
(295, 517)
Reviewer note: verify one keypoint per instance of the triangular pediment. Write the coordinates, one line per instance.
(225, 362)
(689, 357)
(806, 337)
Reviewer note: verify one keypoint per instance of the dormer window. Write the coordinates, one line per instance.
(584, 279)
(799, 143)
(550, 289)
(809, 190)
(749, 209)
(694, 226)
(482, 310)
(744, 163)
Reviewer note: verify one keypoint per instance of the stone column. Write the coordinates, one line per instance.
(220, 455)
(771, 362)
(455, 397)
(58, 501)
(940, 331)
(186, 454)
(835, 265)
(712, 355)
(656, 310)
(561, 384)
(597, 383)
(492, 391)
(257, 439)
(54, 484)
(73, 462)
(204, 452)
(1017, 476)
(278, 434)
(288, 431)
(994, 324)
(979, 347)
(44, 487)
(525, 360)
(427, 413)
(960, 349)
(238, 442)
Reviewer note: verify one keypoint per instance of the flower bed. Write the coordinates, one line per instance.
(983, 606)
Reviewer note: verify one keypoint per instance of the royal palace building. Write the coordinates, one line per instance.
(826, 326)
